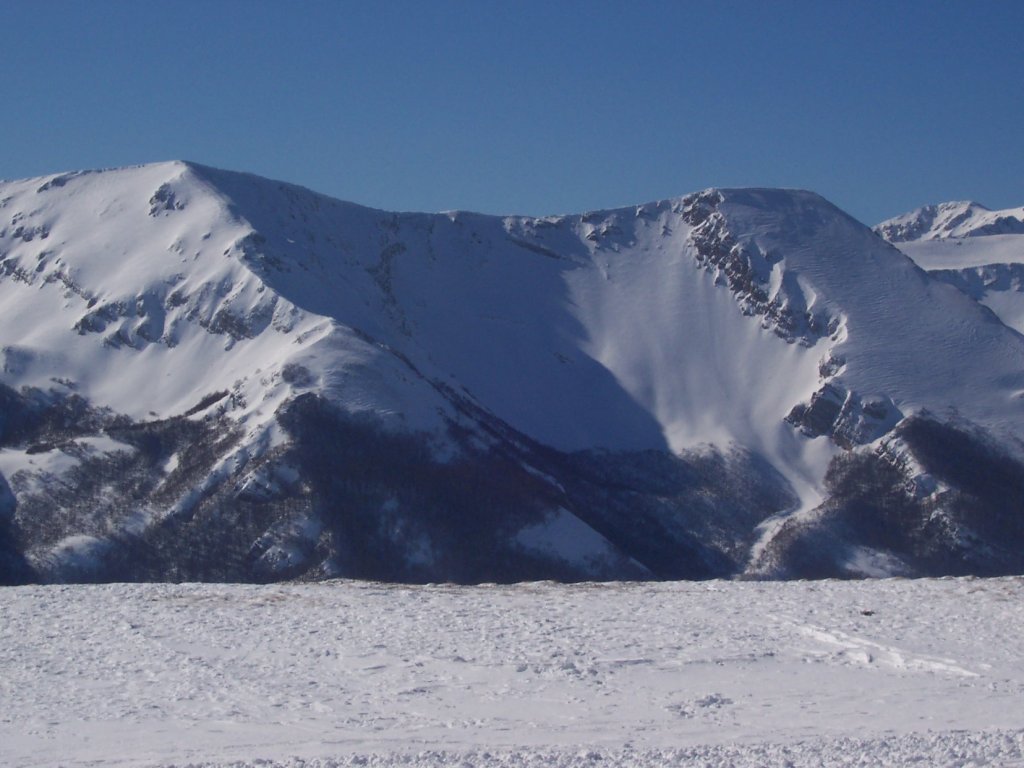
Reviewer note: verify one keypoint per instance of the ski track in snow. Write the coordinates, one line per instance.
(888, 672)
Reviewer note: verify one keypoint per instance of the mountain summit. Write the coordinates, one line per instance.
(951, 220)
(209, 375)
(978, 251)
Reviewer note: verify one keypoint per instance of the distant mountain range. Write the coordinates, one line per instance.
(207, 375)
(952, 221)
(979, 251)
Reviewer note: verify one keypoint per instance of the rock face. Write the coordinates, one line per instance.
(212, 376)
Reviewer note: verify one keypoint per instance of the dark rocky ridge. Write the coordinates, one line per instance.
(384, 508)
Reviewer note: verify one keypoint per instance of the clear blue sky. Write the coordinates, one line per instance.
(530, 107)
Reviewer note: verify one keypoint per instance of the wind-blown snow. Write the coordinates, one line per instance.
(880, 673)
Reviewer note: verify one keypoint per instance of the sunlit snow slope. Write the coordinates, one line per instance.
(979, 251)
(239, 378)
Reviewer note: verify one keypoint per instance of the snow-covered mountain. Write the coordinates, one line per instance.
(979, 251)
(208, 375)
(952, 220)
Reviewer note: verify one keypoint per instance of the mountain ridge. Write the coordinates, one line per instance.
(670, 383)
(982, 256)
(955, 219)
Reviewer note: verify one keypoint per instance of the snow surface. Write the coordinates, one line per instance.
(563, 536)
(958, 247)
(25, 468)
(889, 672)
(965, 253)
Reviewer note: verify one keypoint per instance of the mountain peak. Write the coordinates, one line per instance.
(957, 219)
(316, 373)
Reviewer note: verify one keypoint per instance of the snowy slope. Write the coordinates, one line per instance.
(979, 251)
(952, 220)
(133, 286)
(327, 389)
(883, 673)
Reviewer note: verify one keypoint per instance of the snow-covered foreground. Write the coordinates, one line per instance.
(344, 673)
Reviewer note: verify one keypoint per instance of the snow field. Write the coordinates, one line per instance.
(340, 673)
(987, 268)
(965, 244)
(965, 253)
